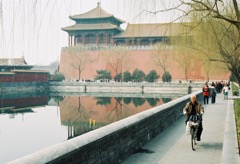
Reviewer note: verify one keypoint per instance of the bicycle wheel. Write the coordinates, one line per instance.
(195, 136)
(192, 131)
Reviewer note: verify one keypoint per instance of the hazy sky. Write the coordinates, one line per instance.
(32, 28)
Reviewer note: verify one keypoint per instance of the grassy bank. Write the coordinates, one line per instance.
(237, 117)
(235, 92)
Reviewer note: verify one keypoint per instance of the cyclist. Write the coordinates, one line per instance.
(192, 108)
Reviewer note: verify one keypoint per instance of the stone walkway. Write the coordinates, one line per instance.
(173, 146)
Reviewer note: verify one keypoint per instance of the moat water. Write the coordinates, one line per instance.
(29, 123)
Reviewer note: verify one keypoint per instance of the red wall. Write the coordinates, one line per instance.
(24, 77)
(7, 78)
(141, 59)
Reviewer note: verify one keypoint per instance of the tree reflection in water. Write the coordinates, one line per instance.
(166, 100)
(103, 100)
(83, 114)
(152, 101)
(127, 100)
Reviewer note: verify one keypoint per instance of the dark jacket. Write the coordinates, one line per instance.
(188, 108)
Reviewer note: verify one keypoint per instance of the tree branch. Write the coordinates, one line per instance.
(235, 5)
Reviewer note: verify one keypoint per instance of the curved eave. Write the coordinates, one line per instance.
(119, 29)
(128, 37)
(16, 66)
(90, 28)
(79, 18)
(95, 13)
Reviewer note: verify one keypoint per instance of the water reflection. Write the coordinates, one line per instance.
(83, 114)
(80, 114)
(41, 119)
(21, 103)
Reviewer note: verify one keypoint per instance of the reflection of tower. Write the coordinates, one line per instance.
(71, 133)
(75, 130)
(12, 115)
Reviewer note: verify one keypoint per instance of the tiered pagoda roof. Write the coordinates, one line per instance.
(87, 27)
(95, 19)
(95, 13)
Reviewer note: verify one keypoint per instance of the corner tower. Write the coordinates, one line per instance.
(94, 27)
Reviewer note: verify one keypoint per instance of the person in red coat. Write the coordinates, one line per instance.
(206, 93)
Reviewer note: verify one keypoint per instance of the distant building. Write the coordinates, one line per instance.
(17, 70)
(97, 42)
(51, 69)
(8, 64)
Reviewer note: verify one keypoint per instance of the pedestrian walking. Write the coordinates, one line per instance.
(213, 94)
(225, 91)
(206, 93)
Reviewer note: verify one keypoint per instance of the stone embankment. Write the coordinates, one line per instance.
(112, 87)
(22, 87)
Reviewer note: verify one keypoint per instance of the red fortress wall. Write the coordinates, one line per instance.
(140, 59)
(24, 76)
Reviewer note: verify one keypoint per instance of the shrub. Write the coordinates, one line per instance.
(103, 74)
(138, 75)
(118, 77)
(235, 90)
(166, 77)
(237, 117)
(127, 76)
(152, 76)
(59, 77)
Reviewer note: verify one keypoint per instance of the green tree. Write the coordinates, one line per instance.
(232, 78)
(103, 74)
(59, 77)
(138, 75)
(152, 76)
(127, 76)
(118, 77)
(166, 77)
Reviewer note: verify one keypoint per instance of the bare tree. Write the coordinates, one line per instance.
(185, 61)
(79, 61)
(118, 59)
(223, 19)
(160, 57)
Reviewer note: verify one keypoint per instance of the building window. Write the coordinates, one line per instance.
(120, 42)
(90, 39)
(156, 41)
(79, 39)
(102, 39)
(144, 42)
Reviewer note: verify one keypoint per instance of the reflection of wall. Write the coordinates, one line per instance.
(10, 105)
(83, 114)
(81, 109)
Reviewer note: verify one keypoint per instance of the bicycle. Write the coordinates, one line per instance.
(194, 121)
